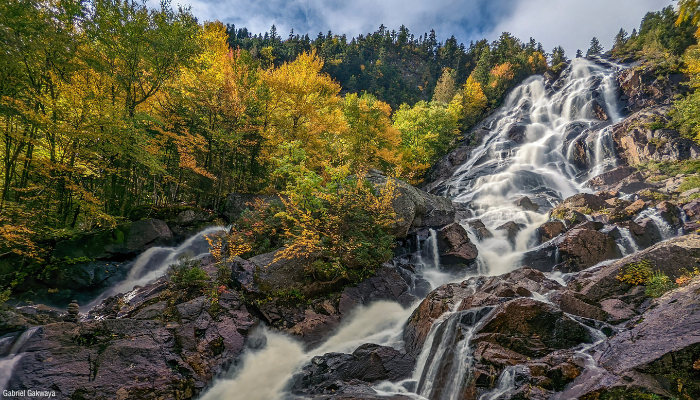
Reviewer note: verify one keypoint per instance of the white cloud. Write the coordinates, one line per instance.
(570, 23)
(573, 23)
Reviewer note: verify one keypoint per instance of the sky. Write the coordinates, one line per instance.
(569, 23)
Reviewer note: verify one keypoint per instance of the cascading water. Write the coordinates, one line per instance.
(154, 263)
(7, 364)
(560, 124)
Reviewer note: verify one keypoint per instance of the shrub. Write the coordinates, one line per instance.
(188, 275)
(658, 284)
(636, 273)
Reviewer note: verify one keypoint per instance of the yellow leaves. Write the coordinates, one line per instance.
(503, 71)
(689, 10)
(304, 105)
(537, 62)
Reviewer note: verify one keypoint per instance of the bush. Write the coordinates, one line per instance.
(188, 275)
(658, 284)
(641, 273)
(336, 223)
(636, 273)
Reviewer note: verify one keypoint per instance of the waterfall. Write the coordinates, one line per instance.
(265, 372)
(666, 230)
(628, 245)
(497, 172)
(7, 364)
(154, 263)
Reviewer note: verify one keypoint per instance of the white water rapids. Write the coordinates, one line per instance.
(559, 122)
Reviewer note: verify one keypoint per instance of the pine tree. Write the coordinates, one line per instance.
(558, 55)
(620, 39)
(595, 49)
(579, 53)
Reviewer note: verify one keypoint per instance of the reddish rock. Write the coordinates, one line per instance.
(583, 248)
(550, 230)
(584, 200)
(454, 246)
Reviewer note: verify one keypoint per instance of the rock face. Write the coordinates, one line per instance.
(638, 140)
(454, 247)
(335, 373)
(117, 244)
(136, 358)
(573, 251)
(414, 207)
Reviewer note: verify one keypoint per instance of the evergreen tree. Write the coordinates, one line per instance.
(620, 39)
(558, 56)
(579, 53)
(595, 49)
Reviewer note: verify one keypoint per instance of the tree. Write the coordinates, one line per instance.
(579, 53)
(558, 56)
(689, 10)
(446, 86)
(620, 39)
(370, 140)
(427, 132)
(304, 106)
(595, 49)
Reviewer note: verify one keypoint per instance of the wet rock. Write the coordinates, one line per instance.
(635, 208)
(517, 132)
(611, 177)
(599, 111)
(369, 363)
(526, 204)
(438, 302)
(583, 248)
(671, 257)
(568, 302)
(669, 212)
(454, 247)
(531, 328)
(480, 229)
(584, 201)
(512, 229)
(647, 232)
(550, 230)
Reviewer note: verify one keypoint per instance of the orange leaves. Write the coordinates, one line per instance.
(502, 72)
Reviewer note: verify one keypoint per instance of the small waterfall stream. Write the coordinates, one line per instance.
(7, 364)
(154, 263)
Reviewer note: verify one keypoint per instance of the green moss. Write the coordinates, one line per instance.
(690, 182)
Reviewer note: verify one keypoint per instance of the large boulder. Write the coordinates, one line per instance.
(583, 248)
(573, 251)
(454, 247)
(369, 363)
(414, 207)
(531, 328)
(480, 229)
(116, 244)
(611, 177)
(549, 230)
(584, 201)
